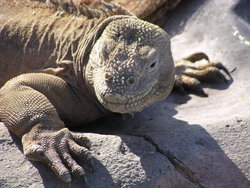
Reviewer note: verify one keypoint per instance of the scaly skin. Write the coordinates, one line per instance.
(131, 66)
(95, 66)
(143, 9)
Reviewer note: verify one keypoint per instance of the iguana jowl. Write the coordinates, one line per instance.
(88, 68)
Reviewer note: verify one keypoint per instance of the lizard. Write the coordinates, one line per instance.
(67, 70)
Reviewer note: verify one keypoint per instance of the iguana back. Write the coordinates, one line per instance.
(35, 36)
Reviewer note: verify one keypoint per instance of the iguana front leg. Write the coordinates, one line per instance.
(30, 108)
(189, 73)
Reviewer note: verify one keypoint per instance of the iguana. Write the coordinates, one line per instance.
(78, 68)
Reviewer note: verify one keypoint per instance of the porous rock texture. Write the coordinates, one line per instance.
(184, 141)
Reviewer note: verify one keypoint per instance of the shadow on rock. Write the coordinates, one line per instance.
(242, 9)
(176, 26)
(188, 155)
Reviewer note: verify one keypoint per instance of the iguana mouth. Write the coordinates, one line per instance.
(133, 103)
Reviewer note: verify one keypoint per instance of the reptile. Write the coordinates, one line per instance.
(63, 69)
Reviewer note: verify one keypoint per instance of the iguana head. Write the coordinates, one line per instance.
(130, 66)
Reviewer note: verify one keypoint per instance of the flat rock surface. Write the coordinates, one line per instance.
(184, 141)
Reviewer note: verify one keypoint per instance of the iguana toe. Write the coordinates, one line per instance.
(81, 140)
(76, 169)
(83, 153)
(54, 148)
(184, 83)
(197, 68)
(53, 160)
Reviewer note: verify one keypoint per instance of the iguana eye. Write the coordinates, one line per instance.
(153, 65)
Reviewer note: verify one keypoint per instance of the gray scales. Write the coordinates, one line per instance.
(77, 69)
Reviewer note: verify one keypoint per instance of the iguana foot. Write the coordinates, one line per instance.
(197, 68)
(55, 148)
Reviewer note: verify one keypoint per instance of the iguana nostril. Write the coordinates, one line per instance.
(131, 80)
(107, 76)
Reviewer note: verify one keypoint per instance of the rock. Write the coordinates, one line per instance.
(120, 161)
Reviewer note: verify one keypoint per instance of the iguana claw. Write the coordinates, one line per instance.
(197, 68)
(54, 148)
